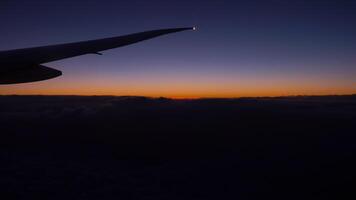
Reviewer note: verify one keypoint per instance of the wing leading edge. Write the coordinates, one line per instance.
(26, 63)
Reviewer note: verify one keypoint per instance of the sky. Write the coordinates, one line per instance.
(241, 48)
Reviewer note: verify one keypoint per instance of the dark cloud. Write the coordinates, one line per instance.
(118, 147)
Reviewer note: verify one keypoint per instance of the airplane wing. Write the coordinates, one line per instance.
(24, 65)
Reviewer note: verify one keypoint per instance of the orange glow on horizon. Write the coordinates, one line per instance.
(177, 91)
(187, 86)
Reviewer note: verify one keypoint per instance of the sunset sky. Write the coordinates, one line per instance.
(251, 48)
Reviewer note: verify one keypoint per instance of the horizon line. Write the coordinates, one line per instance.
(179, 98)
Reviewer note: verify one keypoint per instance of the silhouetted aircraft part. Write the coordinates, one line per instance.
(24, 65)
(29, 74)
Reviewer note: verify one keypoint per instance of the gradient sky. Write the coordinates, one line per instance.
(241, 48)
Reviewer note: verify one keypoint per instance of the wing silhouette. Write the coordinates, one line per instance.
(24, 65)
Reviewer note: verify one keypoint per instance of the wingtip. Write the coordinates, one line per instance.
(193, 28)
(172, 30)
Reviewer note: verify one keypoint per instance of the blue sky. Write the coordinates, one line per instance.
(253, 48)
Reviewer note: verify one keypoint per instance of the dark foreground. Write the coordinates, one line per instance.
(139, 148)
